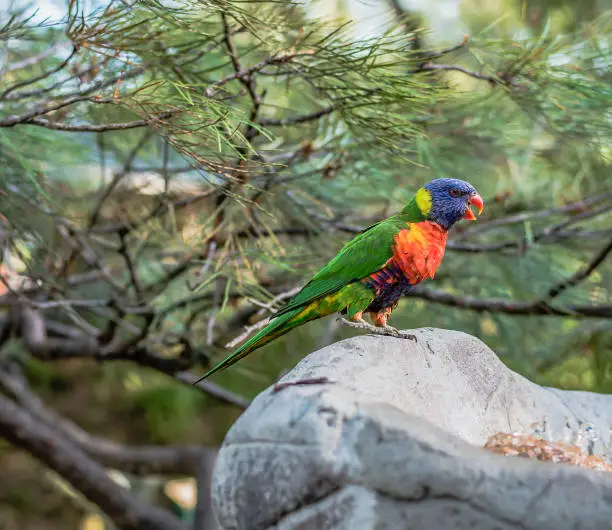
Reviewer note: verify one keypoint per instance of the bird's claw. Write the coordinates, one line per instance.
(388, 331)
(400, 334)
(394, 332)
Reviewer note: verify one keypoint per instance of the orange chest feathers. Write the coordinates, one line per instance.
(418, 250)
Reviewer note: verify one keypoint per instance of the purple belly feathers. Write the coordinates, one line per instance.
(390, 285)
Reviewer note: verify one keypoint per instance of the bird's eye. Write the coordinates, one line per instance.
(454, 193)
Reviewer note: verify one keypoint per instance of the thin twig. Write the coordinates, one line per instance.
(283, 122)
(212, 247)
(510, 307)
(582, 274)
(131, 266)
(40, 77)
(429, 66)
(212, 389)
(450, 49)
(247, 332)
(34, 59)
(11, 121)
(69, 127)
(279, 58)
(127, 165)
(580, 204)
(270, 307)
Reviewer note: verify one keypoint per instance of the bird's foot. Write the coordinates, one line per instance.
(394, 332)
(387, 331)
(302, 382)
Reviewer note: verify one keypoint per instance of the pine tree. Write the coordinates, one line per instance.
(171, 175)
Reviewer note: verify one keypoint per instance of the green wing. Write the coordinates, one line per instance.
(363, 255)
(360, 257)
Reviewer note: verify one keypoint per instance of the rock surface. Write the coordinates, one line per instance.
(395, 441)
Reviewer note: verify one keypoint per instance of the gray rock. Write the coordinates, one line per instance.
(393, 442)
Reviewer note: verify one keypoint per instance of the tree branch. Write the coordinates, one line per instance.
(582, 274)
(69, 127)
(283, 122)
(509, 307)
(126, 510)
(30, 61)
(450, 49)
(409, 23)
(11, 121)
(32, 328)
(143, 460)
(279, 58)
(40, 77)
(429, 66)
(582, 204)
(212, 389)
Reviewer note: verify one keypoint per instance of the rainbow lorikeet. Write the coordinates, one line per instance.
(377, 267)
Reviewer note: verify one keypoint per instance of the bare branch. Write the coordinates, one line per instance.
(510, 307)
(69, 127)
(247, 80)
(34, 333)
(140, 460)
(247, 332)
(11, 121)
(429, 66)
(32, 327)
(34, 59)
(446, 51)
(583, 273)
(95, 214)
(270, 307)
(245, 74)
(129, 262)
(212, 389)
(581, 204)
(283, 122)
(99, 85)
(40, 77)
(126, 510)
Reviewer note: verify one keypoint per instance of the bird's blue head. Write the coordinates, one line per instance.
(445, 201)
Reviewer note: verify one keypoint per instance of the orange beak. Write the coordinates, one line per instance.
(474, 200)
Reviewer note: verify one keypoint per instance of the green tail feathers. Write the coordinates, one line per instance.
(277, 327)
(354, 297)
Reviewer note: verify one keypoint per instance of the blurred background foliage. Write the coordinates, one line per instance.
(260, 136)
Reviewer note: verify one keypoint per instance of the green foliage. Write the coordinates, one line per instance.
(170, 173)
(261, 138)
(538, 130)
